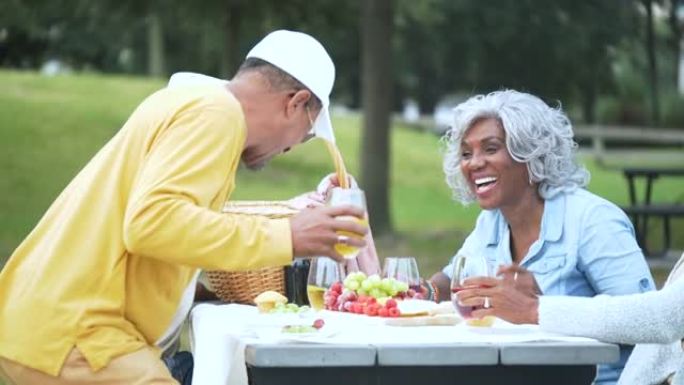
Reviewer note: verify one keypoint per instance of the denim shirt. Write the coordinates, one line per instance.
(586, 246)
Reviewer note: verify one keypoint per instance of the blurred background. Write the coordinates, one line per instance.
(72, 71)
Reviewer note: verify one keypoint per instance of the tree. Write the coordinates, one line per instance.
(155, 41)
(652, 63)
(376, 98)
(675, 37)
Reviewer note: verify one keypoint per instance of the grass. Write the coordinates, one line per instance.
(51, 126)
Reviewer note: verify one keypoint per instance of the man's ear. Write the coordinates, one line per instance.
(297, 101)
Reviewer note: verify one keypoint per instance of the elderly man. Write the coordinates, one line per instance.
(105, 279)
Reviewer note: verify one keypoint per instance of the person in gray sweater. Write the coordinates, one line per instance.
(653, 320)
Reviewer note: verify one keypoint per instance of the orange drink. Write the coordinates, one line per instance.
(349, 252)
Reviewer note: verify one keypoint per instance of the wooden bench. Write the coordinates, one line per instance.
(641, 212)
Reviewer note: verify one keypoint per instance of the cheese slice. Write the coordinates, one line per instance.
(433, 320)
(415, 307)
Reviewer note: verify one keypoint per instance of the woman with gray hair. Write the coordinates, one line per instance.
(515, 156)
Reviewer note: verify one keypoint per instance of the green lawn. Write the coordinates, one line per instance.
(51, 126)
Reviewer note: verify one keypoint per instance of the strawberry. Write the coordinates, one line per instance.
(394, 312)
(390, 303)
(318, 323)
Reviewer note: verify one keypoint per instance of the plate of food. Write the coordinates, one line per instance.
(298, 330)
(425, 313)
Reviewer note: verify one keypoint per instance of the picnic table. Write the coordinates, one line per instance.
(228, 349)
(641, 210)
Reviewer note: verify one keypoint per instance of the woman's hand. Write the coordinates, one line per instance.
(367, 260)
(500, 298)
(307, 200)
(330, 181)
(522, 279)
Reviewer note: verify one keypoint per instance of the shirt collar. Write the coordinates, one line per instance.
(500, 225)
(553, 218)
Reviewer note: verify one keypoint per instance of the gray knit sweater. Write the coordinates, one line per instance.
(654, 321)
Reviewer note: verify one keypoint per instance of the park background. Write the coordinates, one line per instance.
(71, 72)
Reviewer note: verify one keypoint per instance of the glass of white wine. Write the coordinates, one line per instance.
(323, 272)
(348, 196)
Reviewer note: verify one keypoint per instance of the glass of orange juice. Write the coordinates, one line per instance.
(348, 196)
(323, 273)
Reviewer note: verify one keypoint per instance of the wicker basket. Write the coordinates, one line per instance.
(243, 286)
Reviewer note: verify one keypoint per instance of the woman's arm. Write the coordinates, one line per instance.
(653, 317)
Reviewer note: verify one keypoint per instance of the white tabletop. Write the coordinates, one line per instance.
(221, 333)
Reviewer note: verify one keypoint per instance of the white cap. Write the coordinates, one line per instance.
(305, 59)
(181, 79)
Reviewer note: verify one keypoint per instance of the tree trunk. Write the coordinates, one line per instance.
(231, 30)
(675, 40)
(589, 103)
(376, 95)
(155, 47)
(652, 64)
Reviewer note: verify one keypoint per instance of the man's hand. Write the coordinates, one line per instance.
(314, 231)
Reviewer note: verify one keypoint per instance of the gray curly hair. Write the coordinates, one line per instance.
(536, 134)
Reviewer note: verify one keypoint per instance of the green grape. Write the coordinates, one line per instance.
(402, 286)
(386, 284)
(367, 285)
(377, 293)
(352, 285)
(374, 278)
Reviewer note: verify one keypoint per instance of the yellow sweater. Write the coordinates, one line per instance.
(105, 268)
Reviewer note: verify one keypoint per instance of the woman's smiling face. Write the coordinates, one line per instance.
(495, 178)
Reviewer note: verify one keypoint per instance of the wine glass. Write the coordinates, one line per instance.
(403, 269)
(464, 267)
(323, 272)
(348, 196)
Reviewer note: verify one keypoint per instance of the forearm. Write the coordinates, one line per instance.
(178, 231)
(654, 317)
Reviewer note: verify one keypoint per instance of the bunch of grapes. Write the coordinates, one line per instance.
(289, 308)
(374, 286)
(371, 295)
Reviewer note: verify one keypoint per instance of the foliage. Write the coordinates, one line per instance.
(562, 50)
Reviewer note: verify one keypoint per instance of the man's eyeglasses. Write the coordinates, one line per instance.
(311, 132)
